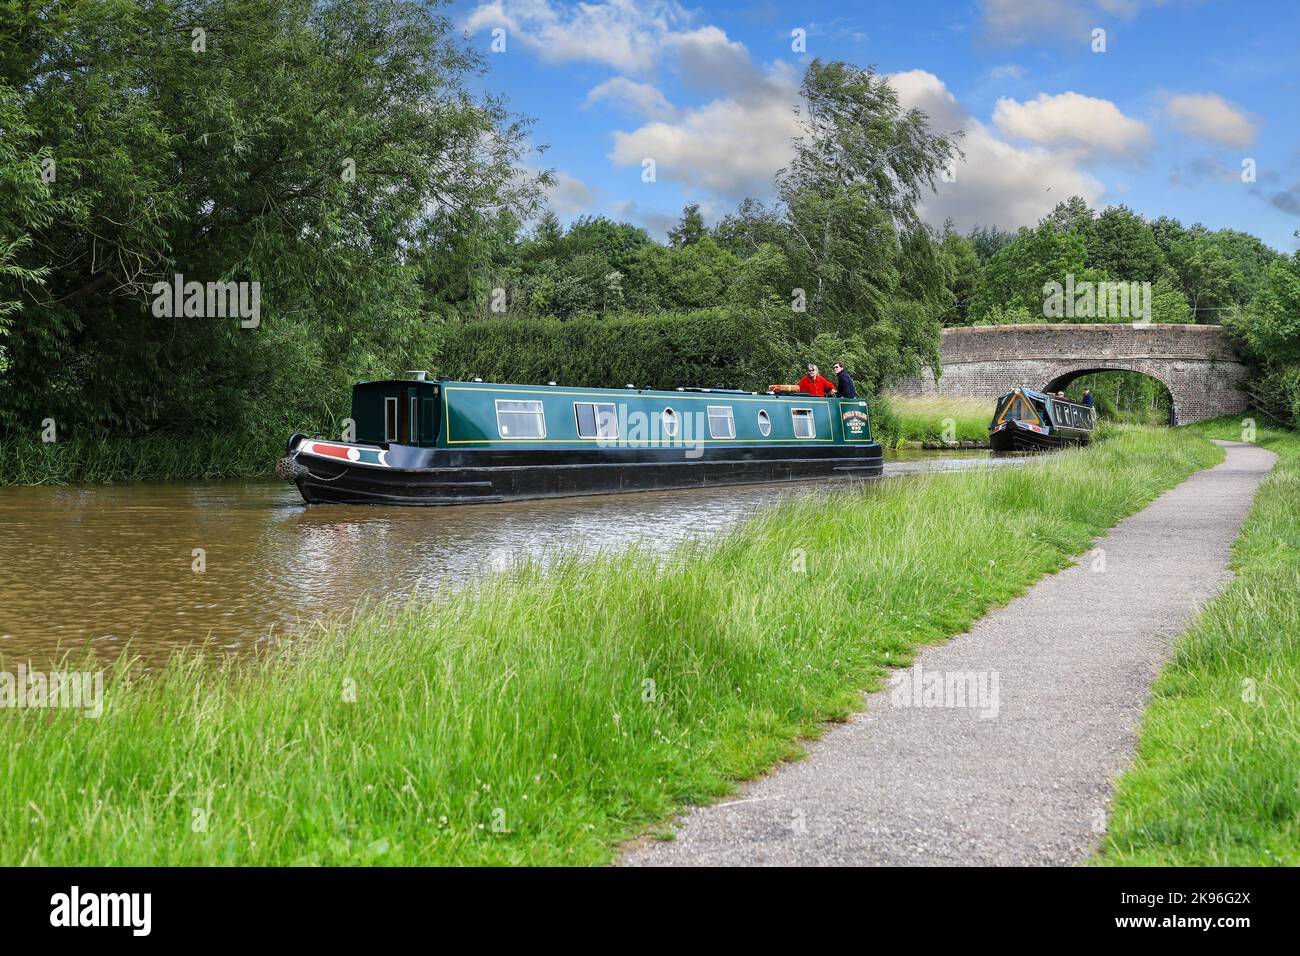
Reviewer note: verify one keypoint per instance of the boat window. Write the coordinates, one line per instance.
(804, 426)
(764, 422)
(413, 426)
(670, 422)
(520, 419)
(722, 424)
(390, 419)
(1019, 409)
(430, 411)
(596, 419)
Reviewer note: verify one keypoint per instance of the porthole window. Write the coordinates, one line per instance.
(764, 422)
(670, 423)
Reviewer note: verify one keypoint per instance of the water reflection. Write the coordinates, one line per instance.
(166, 565)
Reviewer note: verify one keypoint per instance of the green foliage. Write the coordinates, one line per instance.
(1128, 397)
(229, 157)
(988, 241)
(1122, 246)
(377, 202)
(860, 166)
(962, 268)
(1168, 304)
(900, 419)
(1204, 274)
(1268, 330)
(1214, 780)
(705, 348)
(1014, 277)
(690, 229)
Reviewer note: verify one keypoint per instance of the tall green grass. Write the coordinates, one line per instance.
(936, 419)
(1217, 775)
(546, 715)
(160, 458)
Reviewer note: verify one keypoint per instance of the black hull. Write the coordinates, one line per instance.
(1022, 439)
(323, 481)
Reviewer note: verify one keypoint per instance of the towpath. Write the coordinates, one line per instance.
(1043, 699)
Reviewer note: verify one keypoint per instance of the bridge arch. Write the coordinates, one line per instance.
(1063, 378)
(1195, 363)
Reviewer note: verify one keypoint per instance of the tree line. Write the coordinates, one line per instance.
(332, 152)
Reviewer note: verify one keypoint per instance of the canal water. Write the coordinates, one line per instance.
(234, 564)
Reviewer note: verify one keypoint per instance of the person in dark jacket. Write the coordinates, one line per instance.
(844, 386)
(1087, 397)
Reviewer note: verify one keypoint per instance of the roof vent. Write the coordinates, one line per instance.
(416, 375)
(551, 383)
(478, 379)
(629, 385)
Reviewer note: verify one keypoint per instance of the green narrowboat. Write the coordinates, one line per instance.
(421, 441)
(1029, 420)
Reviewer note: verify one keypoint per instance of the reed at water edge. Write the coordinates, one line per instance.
(103, 458)
(906, 419)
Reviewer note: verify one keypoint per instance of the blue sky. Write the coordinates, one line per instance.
(1186, 96)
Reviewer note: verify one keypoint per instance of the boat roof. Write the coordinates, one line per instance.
(1040, 396)
(720, 391)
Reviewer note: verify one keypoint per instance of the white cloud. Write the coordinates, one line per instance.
(627, 35)
(726, 146)
(920, 89)
(569, 196)
(997, 183)
(1071, 119)
(654, 221)
(643, 99)
(1210, 116)
(1016, 21)
(731, 145)
(1007, 71)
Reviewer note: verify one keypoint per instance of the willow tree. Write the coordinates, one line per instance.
(862, 164)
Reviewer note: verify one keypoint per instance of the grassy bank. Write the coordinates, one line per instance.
(547, 715)
(935, 419)
(1217, 775)
(161, 458)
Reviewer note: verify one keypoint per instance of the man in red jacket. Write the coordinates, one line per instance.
(814, 384)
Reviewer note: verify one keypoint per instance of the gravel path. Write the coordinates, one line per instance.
(1023, 773)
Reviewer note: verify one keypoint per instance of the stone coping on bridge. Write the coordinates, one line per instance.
(1084, 326)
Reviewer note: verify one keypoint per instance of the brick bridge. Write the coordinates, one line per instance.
(1195, 362)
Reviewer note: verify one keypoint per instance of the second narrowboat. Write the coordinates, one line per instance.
(421, 441)
(1029, 420)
